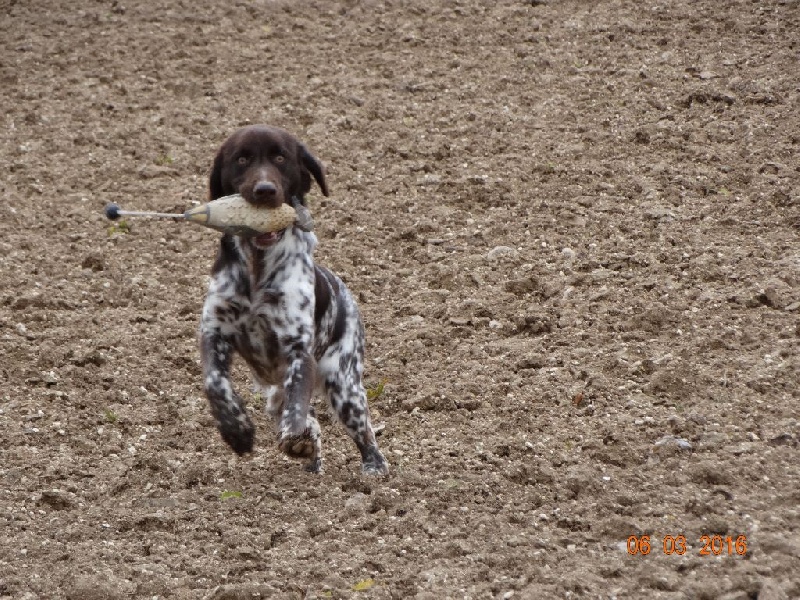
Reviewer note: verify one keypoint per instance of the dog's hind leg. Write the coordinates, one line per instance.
(341, 380)
(273, 399)
(309, 445)
(348, 400)
(287, 310)
(298, 429)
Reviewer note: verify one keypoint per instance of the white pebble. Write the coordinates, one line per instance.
(499, 251)
(669, 441)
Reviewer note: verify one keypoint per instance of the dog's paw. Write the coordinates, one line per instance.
(298, 446)
(315, 466)
(239, 434)
(374, 463)
(305, 444)
(375, 470)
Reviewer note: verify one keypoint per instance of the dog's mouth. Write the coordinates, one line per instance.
(265, 240)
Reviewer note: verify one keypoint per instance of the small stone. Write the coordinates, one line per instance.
(247, 552)
(357, 503)
(429, 179)
(93, 261)
(778, 294)
(621, 547)
(580, 400)
(532, 361)
(659, 213)
(698, 419)
(771, 168)
(671, 445)
(499, 251)
(568, 254)
(784, 439)
(459, 321)
(708, 473)
(523, 286)
(738, 595)
(675, 423)
(552, 288)
(56, 499)
(739, 449)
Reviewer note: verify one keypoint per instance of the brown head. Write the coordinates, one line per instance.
(266, 165)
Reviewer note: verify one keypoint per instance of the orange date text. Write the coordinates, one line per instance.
(710, 545)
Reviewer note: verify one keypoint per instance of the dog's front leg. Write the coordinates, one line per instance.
(227, 407)
(224, 307)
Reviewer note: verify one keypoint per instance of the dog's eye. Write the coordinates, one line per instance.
(243, 160)
(280, 159)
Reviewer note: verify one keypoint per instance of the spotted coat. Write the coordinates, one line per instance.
(295, 323)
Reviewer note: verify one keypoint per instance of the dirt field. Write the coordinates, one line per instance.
(572, 227)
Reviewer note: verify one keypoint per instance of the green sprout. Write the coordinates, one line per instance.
(376, 391)
(119, 227)
(363, 585)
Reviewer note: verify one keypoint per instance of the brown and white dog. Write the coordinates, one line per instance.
(294, 322)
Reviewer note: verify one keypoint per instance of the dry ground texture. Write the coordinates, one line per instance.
(572, 227)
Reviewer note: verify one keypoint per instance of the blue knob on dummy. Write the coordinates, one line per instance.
(112, 211)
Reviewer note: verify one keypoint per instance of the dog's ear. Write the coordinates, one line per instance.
(314, 166)
(215, 179)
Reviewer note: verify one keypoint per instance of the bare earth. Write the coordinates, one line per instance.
(572, 227)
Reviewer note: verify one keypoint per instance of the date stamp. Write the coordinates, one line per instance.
(709, 545)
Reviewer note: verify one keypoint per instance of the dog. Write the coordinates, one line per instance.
(294, 322)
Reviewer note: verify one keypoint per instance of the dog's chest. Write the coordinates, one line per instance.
(279, 309)
(280, 278)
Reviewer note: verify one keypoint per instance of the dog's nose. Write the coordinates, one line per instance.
(264, 190)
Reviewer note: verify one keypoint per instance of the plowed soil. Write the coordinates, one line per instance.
(572, 228)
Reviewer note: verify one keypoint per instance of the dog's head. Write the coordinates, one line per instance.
(267, 166)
